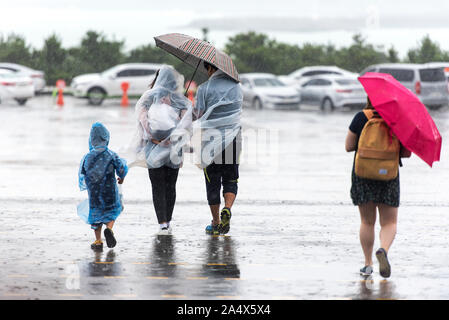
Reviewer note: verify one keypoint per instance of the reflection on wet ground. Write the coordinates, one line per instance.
(220, 261)
(294, 231)
(369, 289)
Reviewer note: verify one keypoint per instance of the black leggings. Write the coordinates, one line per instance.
(163, 183)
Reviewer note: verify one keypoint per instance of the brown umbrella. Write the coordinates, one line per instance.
(192, 51)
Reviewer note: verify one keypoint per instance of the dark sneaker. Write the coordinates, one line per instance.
(225, 223)
(97, 245)
(110, 239)
(384, 265)
(213, 230)
(366, 271)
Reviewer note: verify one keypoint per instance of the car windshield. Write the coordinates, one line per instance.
(399, 74)
(268, 82)
(432, 75)
(347, 82)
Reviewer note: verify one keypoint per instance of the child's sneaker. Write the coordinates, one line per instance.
(97, 245)
(225, 223)
(163, 231)
(213, 230)
(110, 239)
(366, 271)
(384, 265)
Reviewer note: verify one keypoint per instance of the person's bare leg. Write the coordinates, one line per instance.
(110, 224)
(229, 199)
(367, 236)
(98, 233)
(215, 210)
(388, 217)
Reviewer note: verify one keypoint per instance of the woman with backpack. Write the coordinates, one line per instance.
(164, 118)
(375, 183)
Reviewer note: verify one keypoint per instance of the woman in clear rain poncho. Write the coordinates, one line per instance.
(97, 175)
(164, 120)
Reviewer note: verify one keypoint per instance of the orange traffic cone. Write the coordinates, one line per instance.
(190, 96)
(60, 101)
(125, 87)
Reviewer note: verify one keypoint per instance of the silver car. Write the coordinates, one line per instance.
(301, 76)
(333, 91)
(265, 90)
(428, 83)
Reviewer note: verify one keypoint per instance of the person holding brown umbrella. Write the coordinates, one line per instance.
(218, 108)
(220, 98)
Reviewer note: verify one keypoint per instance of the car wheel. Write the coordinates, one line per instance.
(96, 96)
(327, 105)
(257, 104)
(21, 102)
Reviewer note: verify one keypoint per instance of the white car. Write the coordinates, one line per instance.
(264, 90)
(37, 76)
(15, 86)
(108, 84)
(301, 76)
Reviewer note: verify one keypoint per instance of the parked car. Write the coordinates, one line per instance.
(37, 76)
(98, 86)
(428, 83)
(15, 86)
(265, 90)
(443, 65)
(333, 91)
(301, 76)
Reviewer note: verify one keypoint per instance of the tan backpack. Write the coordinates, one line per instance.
(377, 155)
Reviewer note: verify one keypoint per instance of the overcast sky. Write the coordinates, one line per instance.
(400, 23)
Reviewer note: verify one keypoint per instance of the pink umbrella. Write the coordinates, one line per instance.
(405, 114)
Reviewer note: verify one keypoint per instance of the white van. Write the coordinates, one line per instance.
(428, 83)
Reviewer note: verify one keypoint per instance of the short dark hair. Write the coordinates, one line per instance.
(207, 65)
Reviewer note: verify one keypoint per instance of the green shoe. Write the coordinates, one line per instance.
(225, 223)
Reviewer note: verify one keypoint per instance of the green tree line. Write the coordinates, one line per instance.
(250, 51)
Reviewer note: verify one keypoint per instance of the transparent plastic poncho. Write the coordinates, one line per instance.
(164, 123)
(97, 174)
(218, 107)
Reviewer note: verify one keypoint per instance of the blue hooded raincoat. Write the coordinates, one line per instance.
(97, 175)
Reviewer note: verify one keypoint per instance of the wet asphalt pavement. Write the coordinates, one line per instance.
(294, 230)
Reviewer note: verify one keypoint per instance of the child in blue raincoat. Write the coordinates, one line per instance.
(97, 175)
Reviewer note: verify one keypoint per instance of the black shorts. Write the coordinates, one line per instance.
(218, 175)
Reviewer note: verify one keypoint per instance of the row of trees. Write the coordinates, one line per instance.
(251, 52)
